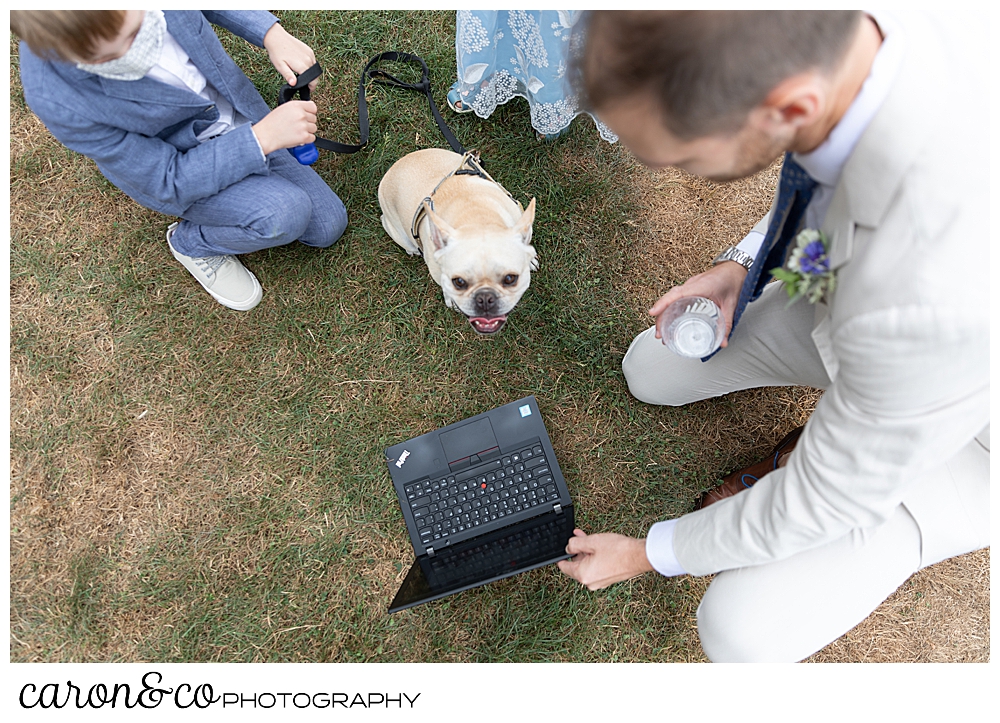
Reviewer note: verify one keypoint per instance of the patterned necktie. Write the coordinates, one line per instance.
(795, 190)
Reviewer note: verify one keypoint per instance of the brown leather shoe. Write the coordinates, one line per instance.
(745, 478)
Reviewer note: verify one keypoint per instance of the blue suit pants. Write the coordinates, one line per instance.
(292, 203)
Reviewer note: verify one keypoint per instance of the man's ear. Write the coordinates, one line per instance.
(440, 230)
(523, 225)
(797, 101)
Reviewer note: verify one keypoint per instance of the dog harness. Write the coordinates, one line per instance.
(469, 166)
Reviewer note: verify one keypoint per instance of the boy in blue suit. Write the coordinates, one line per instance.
(154, 99)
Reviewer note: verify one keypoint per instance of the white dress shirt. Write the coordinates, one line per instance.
(824, 165)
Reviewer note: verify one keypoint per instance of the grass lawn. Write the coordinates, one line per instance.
(190, 483)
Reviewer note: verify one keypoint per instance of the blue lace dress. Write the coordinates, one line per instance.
(508, 53)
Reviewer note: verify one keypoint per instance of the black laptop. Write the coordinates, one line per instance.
(483, 499)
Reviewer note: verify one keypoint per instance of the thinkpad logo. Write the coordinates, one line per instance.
(402, 458)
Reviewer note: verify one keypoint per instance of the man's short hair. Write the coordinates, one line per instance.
(65, 34)
(706, 70)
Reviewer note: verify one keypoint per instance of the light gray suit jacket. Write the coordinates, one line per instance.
(905, 338)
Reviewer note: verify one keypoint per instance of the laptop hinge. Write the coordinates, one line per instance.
(430, 552)
(557, 507)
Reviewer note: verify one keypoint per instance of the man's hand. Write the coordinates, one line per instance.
(290, 124)
(604, 559)
(720, 283)
(289, 55)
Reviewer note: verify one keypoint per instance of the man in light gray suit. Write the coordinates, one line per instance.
(876, 116)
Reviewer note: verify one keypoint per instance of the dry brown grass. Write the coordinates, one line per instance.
(940, 615)
(58, 524)
(690, 220)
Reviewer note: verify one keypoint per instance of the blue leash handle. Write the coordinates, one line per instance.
(305, 154)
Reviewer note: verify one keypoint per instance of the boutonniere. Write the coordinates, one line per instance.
(807, 271)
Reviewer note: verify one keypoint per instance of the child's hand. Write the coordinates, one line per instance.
(289, 55)
(290, 124)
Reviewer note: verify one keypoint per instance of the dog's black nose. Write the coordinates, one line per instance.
(485, 301)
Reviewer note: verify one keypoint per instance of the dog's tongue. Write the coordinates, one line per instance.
(487, 326)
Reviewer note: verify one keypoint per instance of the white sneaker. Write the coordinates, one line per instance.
(224, 277)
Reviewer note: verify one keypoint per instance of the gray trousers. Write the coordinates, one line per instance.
(789, 609)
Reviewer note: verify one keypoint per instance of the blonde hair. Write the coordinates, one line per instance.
(65, 34)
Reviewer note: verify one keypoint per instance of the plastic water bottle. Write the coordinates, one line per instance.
(691, 327)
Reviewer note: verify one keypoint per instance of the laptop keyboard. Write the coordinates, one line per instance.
(511, 483)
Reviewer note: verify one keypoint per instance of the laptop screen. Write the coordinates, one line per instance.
(521, 547)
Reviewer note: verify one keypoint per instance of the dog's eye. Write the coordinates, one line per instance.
(460, 283)
(510, 279)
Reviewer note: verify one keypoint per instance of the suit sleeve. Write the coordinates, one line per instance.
(149, 170)
(911, 391)
(251, 25)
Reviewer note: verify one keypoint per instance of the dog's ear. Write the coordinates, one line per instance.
(523, 225)
(440, 230)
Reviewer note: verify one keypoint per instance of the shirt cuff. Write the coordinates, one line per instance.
(660, 549)
(751, 243)
(259, 148)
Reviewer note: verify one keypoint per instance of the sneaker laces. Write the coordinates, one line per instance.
(211, 264)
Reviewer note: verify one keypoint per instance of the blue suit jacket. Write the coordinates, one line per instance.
(142, 133)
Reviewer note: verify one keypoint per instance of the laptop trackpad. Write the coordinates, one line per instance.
(469, 439)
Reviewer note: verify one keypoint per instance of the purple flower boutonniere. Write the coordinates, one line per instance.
(807, 271)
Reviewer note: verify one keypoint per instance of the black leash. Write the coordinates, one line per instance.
(301, 87)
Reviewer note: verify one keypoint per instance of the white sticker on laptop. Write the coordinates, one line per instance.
(402, 458)
(525, 410)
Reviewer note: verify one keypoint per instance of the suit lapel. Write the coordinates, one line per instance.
(839, 228)
(902, 127)
(873, 174)
(189, 30)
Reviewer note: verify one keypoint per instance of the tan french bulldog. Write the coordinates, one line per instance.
(473, 235)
